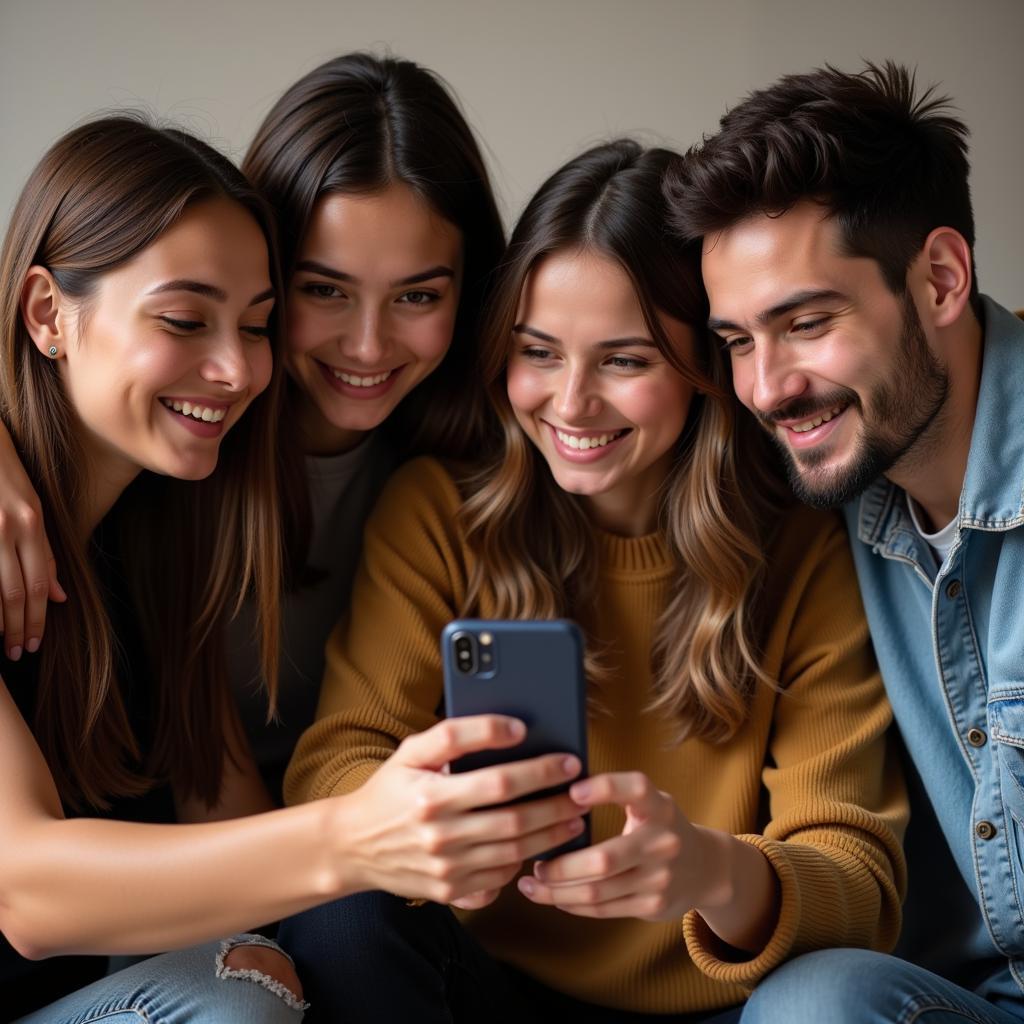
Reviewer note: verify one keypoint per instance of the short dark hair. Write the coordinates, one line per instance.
(888, 166)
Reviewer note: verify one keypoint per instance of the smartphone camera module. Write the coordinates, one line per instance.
(465, 652)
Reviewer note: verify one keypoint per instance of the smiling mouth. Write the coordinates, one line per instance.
(586, 442)
(203, 413)
(816, 421)
(358, 381)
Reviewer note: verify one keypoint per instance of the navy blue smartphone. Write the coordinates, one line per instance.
(531, 670)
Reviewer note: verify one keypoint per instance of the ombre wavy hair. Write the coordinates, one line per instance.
(536, 550)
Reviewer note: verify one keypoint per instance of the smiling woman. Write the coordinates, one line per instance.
(728, 657)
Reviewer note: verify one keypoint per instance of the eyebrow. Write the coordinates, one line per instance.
(787, 305)
(610, 343)
(315, 267)
(208, 291)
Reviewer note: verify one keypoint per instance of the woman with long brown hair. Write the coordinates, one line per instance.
(744, 806)
(137, 326)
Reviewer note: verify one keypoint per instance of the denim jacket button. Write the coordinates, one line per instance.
(976, 737)
(985, 829)
(952, 589)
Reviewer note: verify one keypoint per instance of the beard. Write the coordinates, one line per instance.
(899, 411)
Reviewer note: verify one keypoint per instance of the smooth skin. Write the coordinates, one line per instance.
(584, 362)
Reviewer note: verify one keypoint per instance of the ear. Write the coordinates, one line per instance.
(946, 265)
(40, 309)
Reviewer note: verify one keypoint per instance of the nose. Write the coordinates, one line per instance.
(227, 362)
(775, 378)
(365, 344)
(576, 397)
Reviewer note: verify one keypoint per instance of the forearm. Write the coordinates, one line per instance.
(93, 886)
(742, 904)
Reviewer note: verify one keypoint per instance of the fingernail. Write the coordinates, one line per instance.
(33, 644)
(576, 826)
(15, 653)
(516, 729)
(571, 766)
(580, 791)
(527, 886)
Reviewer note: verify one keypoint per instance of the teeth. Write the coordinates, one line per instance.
(361, 382)
(585, 443)
(197, 412)
(802, 428)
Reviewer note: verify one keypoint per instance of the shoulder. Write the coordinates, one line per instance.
(419, 486)
(809, 563)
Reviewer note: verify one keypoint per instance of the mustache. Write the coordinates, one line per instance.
(807, 407)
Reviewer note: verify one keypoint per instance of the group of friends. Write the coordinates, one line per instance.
(266, 431)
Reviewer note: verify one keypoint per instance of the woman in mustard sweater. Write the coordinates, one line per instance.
(745, 806)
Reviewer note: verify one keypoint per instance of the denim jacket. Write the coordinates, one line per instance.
(950, 643)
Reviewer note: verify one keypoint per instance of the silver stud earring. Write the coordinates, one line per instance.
(53, 351)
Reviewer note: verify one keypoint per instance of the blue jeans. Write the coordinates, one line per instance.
(192, 986)
(371, 958)
(856, 986)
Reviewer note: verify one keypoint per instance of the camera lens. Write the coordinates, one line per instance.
(465, 652)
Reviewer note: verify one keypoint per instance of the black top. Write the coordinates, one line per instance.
(27, 985)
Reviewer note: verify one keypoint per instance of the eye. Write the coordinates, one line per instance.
(321, 290)
(809, 327)
(419, 298)
(257, 331)
(182, 325)
(536, 354)
(627, 363)
(734, 345)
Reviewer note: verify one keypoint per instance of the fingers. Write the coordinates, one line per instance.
(515, 851)
(12, 600)
(477, 900)
(487, 787)
(509, 823)
(583, 894)
(36, 574)
(56, 591)
(456, 737)
(632, 790)
(26, 579)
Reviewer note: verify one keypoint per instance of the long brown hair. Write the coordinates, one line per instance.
(100, 195)
(537, 553)
(357, 124)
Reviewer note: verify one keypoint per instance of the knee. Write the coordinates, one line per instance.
(835, 985)
(257, 960)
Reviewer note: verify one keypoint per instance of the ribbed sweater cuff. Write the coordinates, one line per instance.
(706, 949)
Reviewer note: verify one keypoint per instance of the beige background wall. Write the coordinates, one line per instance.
(538, 79)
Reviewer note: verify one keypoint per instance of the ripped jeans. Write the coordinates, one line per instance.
(190, 986)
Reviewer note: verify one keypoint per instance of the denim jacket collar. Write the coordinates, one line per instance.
(993, 493)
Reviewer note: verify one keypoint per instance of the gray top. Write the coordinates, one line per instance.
(343, 489)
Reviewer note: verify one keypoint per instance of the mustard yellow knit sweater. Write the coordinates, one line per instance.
(809, 780)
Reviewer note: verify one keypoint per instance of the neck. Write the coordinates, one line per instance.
(932, 472)
(319, 437)
(631, 510)
(106, 480)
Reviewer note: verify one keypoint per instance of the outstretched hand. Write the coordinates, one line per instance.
(419, 832)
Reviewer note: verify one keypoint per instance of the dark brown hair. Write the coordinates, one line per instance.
(537, 552)
(358, 124)
(101, 195)
(888, 165)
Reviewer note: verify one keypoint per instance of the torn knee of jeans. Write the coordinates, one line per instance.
(255, 958)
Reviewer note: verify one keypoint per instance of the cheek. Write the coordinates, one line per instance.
(261, 367)
(525, 388)
(306, 328)
(430, 339)
(660, 405)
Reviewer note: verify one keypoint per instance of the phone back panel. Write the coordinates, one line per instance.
(536, 676)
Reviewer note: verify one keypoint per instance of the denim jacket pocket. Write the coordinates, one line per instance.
(1006, 729)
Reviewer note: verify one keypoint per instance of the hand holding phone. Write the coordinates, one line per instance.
(526, 669)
